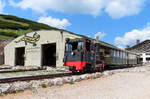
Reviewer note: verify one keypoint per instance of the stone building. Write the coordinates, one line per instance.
(41, 48)
(143, 49)
(3, 43)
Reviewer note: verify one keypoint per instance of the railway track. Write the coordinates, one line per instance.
(36, 77)
(39, 77)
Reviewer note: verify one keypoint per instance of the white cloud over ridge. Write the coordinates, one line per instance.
(2, 5)
(133, 35)
(99, 35)
(115, 8)
(62, 24)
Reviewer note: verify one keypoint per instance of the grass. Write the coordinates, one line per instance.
(12, 26)
(5, 37)
(17, 91)
(43, 85)
(10, 34)
(12, 21)
(71, 82)
(1, 94)
(14, 92)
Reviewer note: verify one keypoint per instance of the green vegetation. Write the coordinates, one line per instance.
(17, 91)
(71, 82)
(43, 85)
(1, 94)
(12, 26)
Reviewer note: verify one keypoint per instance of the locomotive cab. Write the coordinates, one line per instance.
(80, 55)
(74, 54)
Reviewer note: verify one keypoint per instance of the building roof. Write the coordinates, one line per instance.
(141, 47)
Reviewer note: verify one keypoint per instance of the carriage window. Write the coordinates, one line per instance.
(69, 47)
(114, 53)
(75, 46)
(72, 46)
(66, 47)
(80, 45)
(117, 54)
(121, 54)
(124, 56)
(101, 51)
(107, 51)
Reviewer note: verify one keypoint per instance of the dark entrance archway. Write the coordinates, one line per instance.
(49, 54)
(19, 58)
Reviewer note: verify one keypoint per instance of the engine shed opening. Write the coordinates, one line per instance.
(49, 55)
(20, 58)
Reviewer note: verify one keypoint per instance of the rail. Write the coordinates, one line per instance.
(35, 77)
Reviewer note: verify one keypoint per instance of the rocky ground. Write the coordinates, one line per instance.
(132, 83)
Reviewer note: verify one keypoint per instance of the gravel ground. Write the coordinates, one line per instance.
(135, 85)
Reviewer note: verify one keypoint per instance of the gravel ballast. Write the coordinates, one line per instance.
(129, 83)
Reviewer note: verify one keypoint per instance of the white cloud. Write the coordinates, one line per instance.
(2, 5)
(62, 24)
(115, 8)
(100, 35)
(132, 36)
(119, 8)
(92, 7)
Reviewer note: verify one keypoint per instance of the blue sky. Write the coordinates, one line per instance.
(118, 22)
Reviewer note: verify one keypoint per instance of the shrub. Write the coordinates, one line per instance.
(43, 85)
(71, 82)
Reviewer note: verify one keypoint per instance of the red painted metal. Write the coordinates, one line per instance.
(77, 64)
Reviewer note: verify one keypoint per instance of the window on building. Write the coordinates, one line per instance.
(140, 59)
(148, 59)
(147, 53)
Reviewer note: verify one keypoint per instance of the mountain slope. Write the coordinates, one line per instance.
(12, 26)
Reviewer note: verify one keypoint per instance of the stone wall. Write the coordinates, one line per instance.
(3, 43)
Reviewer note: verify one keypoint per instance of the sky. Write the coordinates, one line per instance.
(118, 22)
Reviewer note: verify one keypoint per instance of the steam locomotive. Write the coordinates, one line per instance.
(87, 55)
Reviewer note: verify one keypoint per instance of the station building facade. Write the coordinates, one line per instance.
(40, 48)
(143, 49)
